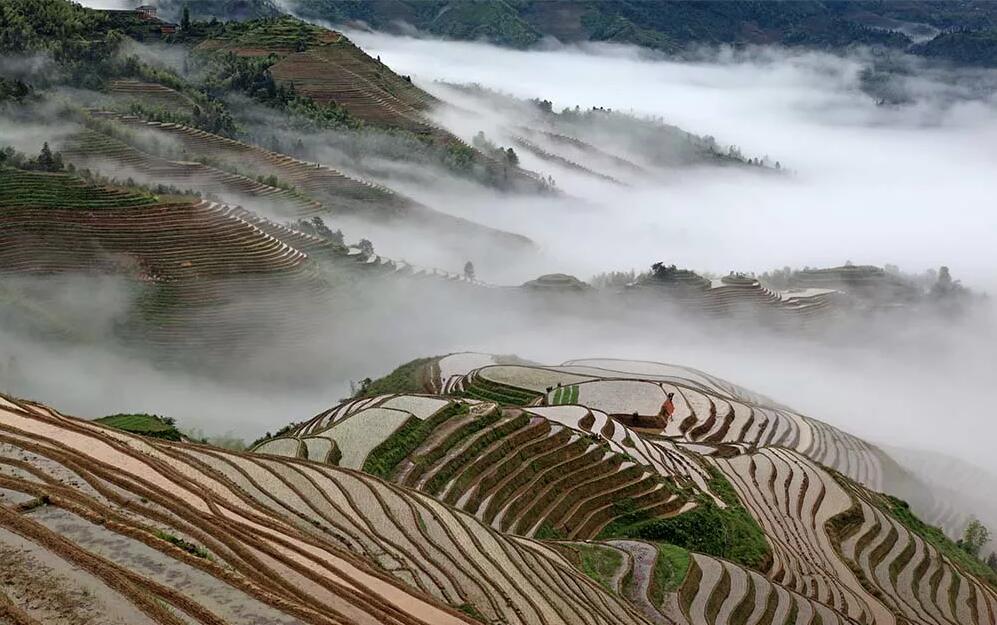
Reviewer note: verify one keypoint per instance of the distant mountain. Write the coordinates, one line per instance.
(960, 31)
(964, 48)
(667, 25)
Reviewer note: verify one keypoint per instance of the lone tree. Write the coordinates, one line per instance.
(469, 270)
(185, 18)
(973, 539)
(366, 247)
(510, 155)
(45, 160)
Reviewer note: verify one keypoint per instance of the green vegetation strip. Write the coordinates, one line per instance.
(566, 395)
(27, 188)
(407, 378)
(187, 546)
(143, 424)
(670, 571)
(429, 457)
(383, 459)
(500, 393)
(600, 563)
(730, 533)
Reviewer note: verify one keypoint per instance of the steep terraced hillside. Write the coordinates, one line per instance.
(921, 576)
(513, 469)
(672, 402)
(139, 530)
(193, 262)
(328, 68)
(593, 492)
(655, 480)
(338, 193)
(152, 95)
(102, 152)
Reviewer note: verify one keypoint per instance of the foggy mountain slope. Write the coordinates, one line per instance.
(341, 195)
(678, 26)
(329, 69)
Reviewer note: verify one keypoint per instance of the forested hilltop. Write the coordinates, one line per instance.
(960, 31)
(676, 25)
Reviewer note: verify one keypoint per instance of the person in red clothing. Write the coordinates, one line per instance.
(669, 406)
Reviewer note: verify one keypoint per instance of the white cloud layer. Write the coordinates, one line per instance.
(908, 185)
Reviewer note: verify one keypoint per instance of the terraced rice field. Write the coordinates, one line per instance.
(340, 193)
(793, 499)
(195, 260)
(917, 581)
(322, 183)
(101, 152)
(449, 508)
(721, 593)
(583, 152)
(564, 395)
(561, 161)
(369, 90)
(704, 409)
(512, 470)
(151, 94)
(169, 533)
(743, 299)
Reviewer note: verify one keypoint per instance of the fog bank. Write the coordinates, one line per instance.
(871, 183)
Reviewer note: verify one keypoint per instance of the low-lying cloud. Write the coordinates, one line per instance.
(872, 183)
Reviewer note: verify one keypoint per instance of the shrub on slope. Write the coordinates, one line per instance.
(143, 424)
(408, 378)
(730, 533)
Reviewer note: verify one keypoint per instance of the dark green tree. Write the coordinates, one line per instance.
(46, 161)
(185, 18)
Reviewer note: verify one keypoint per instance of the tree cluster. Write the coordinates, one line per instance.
(251, 76)
(45, 161)
(316, 227)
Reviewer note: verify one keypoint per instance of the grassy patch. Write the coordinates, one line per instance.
(407, 378)
(383, 459)
(669, 572)
(546, 531)
(471, 611)
(189, 547)
(730, 533)
(143, 424)
(600, 563)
